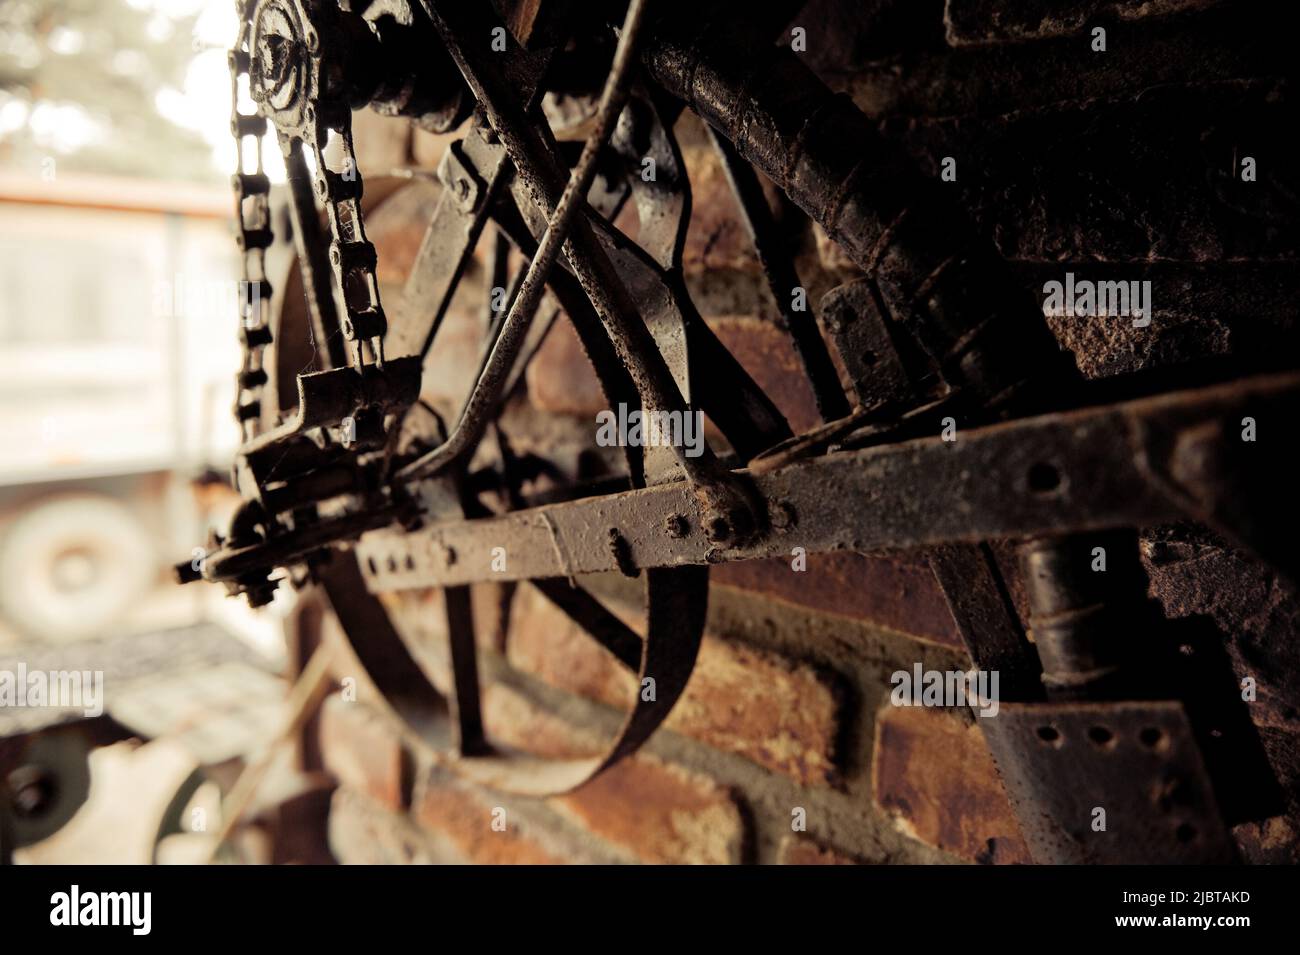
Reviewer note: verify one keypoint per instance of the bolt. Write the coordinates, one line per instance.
(622, 553)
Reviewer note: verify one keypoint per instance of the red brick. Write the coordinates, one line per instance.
(463, 818)
(361, 832)
(716, 238)
(802, 850)
(779, 713)
(397, 229)
(935, 775)
(560, 379)
(899, 594)
(765, 351)
(420, 616)
(648, 810)
(659, 813)
(362, 749)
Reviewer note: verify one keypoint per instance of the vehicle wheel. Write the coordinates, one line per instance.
(72, 565)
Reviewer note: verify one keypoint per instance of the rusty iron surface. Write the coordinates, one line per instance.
(959, 423)
(1136, 762)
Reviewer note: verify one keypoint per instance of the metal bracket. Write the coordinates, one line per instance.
(1108, 783)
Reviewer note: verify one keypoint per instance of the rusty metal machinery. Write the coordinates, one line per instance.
(362, 489)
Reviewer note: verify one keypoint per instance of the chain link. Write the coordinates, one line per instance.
(351, 255)
(253, 216)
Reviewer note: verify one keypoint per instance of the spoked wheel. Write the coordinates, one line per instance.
(362, 435)
(440, 703)
(479, 187)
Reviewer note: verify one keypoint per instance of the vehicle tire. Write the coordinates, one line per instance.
(70, 566)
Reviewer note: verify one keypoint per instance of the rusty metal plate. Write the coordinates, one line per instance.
(1104, 467)
(1137, 761)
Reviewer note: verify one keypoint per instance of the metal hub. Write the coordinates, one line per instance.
(284, 77)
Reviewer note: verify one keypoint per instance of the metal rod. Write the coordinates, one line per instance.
(304, 697)
(309, 239)
(487, 390)
(782, 279)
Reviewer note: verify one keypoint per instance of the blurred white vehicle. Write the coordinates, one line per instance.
(118, 351)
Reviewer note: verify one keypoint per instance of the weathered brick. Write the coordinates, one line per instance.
(1240, 618)
(648, 810)
(420, 616)
(934, 773)
(802, 850)
(1200, 311)
(362, 749)
(902, 595)
(765, 350)
(397, 229)
(659, 813)
(464, 819)
(560, 379)
(362, 832)
(716, 238)
(782, 714)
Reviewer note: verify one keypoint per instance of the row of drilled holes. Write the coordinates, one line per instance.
(393, 565)
(1150, 737)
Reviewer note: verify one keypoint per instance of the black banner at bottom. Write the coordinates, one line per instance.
(913, 905)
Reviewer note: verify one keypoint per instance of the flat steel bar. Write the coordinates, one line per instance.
(1082, 470)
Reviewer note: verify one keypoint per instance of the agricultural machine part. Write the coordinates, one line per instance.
(363, 490)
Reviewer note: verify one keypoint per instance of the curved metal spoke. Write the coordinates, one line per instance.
(577, 603)
(466, 714)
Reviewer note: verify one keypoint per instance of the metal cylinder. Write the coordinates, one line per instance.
(1086, 595)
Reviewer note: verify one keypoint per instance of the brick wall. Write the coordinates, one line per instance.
(785, 748)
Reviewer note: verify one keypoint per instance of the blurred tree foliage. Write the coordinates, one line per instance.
(79, 81)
